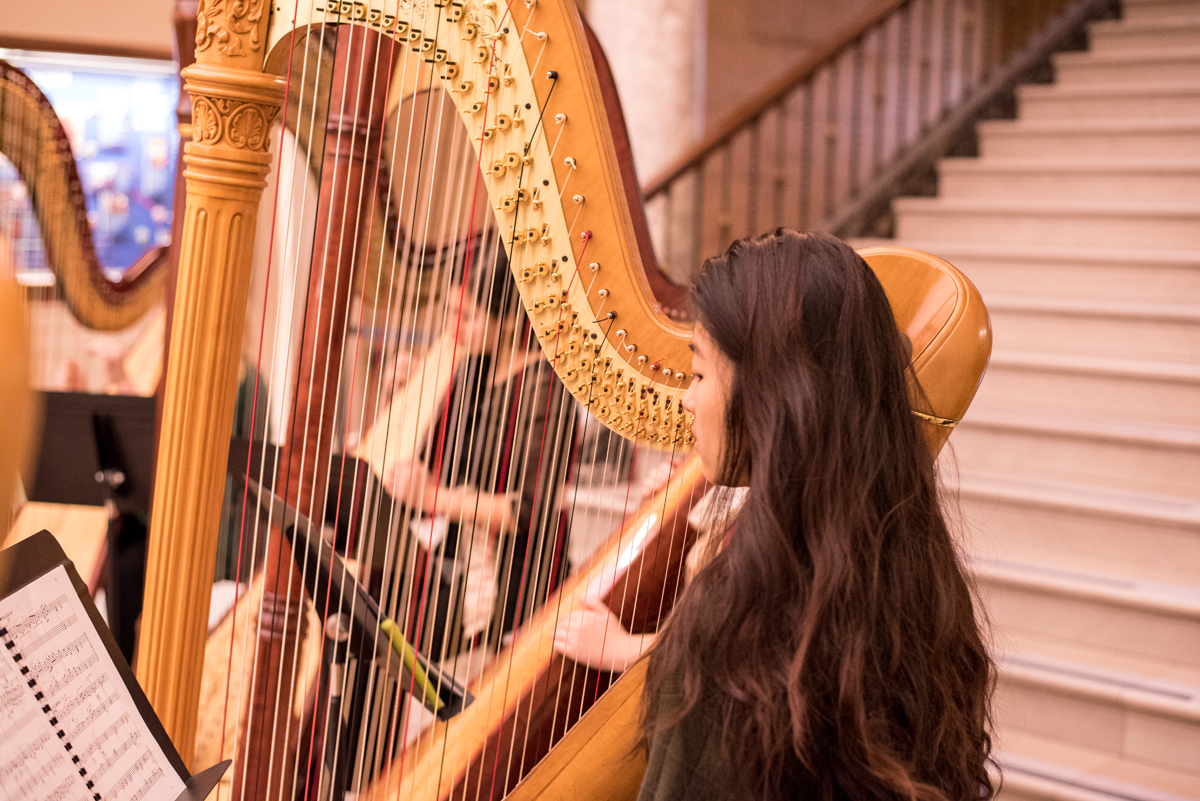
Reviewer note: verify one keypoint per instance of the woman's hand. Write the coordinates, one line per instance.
(592, 635)
(497, 512)
(410, 483)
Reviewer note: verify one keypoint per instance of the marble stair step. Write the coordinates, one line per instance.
(1141, 535)
(1163, 65)
(1151, 621)
(1091, 387)
(1141, 457)
(1106, 329)
(1072, 273)
(1118, 141)
(1123, 715)
(1149, 100)
(1168, 226)
(1099, 181)
(1157, 9)
(1111, 35)
(1041, 769)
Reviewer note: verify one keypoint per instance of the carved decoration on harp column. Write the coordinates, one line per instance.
(222, 121)
(232, 26)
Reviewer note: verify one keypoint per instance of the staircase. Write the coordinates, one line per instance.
(1078, 467)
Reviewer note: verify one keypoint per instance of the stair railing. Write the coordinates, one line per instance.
(829, 144)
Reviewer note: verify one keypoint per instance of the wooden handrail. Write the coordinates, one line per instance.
(830, 143)
(757, 105)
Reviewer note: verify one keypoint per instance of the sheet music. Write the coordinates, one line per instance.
(75, 733)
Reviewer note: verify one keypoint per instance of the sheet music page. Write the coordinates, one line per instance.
(34, 763)
(77, 707)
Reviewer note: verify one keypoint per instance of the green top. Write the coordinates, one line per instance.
(685, 761)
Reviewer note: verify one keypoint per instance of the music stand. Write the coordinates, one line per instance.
(98, 450)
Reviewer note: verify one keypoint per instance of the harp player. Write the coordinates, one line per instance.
(830, 648)
(486, 487)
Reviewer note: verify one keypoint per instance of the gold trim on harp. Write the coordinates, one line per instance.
(945, 422)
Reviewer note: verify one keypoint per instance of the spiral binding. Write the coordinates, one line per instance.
(11, 647)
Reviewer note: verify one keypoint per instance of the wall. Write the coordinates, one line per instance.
(129, 27)
(753, 42)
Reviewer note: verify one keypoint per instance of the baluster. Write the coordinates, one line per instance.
(831, 139)
(926, 64)
(903, 68)
(752, 176)
(856, 116)
(806, 146)
(725, 220)
(780, 181)
(880, 99)
(946, 57)
(698, 190)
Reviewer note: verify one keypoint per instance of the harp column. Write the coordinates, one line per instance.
(226, 163)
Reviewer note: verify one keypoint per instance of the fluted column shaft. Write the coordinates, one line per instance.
(226, 164)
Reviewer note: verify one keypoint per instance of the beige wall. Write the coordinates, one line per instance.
(656, 51)
(138, 27)
(682, 66)
(753, 42)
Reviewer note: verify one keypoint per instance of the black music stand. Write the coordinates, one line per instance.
(98, 450)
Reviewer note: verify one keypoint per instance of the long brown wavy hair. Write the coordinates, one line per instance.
(833, 638)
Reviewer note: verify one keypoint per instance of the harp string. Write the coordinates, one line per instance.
(468, 261)
(272, 529)
(545, 534)
(437, 471)
(374, 179)
(388, 545)
(254, 419)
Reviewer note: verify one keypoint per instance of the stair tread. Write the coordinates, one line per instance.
(1137, 124)
(1175, 312)
(1168, 23)
(1124, 89)
(1159, 434)
(1014, 164)
(1093, 774)
(1114, 670)
(1043, 207)
(1085, 675)
(1131, 56)
(948, 249)
(1098, 365)
(1158, 597)
(1083, 497)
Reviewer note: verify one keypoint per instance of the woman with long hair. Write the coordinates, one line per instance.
(830, 648)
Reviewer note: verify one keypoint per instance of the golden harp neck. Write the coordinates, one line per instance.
(34, 140)
(521, 77)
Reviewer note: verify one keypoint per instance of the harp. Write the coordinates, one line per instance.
(521, 79)
(33, 139)
(75, 310)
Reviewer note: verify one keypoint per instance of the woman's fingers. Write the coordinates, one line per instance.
(595, 604)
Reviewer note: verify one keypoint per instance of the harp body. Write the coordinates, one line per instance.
(522, 80)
